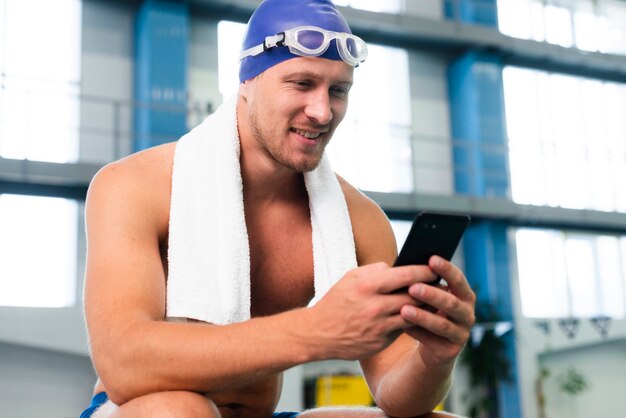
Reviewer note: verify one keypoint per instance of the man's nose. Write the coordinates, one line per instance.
(318, 108)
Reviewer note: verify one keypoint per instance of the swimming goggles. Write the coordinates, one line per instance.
(311, 41)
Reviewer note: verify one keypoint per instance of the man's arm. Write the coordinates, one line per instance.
(136, 352)
(412, 375)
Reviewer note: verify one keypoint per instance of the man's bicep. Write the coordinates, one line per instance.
(124, 275)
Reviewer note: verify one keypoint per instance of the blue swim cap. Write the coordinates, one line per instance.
(275, 16)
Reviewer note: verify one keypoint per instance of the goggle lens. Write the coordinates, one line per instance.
(310, 39)
(354, 48)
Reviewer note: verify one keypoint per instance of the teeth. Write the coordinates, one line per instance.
(307, 134)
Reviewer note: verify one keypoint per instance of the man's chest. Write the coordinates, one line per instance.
(281, 264)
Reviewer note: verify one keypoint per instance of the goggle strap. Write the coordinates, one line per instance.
(274, 41)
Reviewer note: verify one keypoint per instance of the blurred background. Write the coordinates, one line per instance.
(513, 111)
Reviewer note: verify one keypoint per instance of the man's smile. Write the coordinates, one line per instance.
(306, 134)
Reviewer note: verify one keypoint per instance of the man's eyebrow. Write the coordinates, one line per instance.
(314, 76)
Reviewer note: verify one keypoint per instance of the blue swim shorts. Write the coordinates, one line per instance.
(97, 401)
(100, 399)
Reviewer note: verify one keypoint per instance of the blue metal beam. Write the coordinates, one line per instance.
(162, 36)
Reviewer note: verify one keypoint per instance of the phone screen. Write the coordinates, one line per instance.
(432, 233)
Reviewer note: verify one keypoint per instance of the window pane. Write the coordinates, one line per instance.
(40, 120)
(567, 139)
(38, 239)
(40, 72)
(44, 44)
(230, 40)
(581, 277)
(563, 274)
(542, 277)
(610, 283)
(586, 24)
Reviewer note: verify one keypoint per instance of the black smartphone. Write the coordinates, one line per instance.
(432, 233)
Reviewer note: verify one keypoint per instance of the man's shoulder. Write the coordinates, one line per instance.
(139, 183)
(141, 168)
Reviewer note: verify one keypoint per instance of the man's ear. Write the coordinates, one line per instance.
(244, 89)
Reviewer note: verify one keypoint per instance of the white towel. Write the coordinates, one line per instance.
(208, 256)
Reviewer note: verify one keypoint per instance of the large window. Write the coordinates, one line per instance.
(39, 79)
(567, 139)
(372, 147)
(38, 244)
(591, 25)
(566, 274)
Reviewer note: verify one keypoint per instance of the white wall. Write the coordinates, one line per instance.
(203, 69)
(107, 80)
(432, 154)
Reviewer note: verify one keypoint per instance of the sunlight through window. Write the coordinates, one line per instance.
(229, 43)
(565, 274)
(589, 25)
(40, 74)
(38, 243)
(567, 140)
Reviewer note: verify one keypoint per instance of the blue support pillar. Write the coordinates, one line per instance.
(481, 170)
(481, 12)
(161, 35)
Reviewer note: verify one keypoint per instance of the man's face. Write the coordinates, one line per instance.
(294, 107)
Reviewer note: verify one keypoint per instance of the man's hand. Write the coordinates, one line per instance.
(360, 314)
(442, 334)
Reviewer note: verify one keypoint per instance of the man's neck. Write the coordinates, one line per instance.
(266, 180)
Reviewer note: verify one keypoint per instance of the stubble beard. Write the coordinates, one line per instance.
(278, 151)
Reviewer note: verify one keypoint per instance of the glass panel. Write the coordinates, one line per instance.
(586, 27)
(46, 44)
(613, 13)
(610, 280)
(588, 24)
(40, 121)
(229, 34)
(562, 275)
(580, 126)
(542, 279)
(38, 241)
(581, 275)
(39, 103)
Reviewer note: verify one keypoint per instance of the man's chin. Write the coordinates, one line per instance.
(304, 165)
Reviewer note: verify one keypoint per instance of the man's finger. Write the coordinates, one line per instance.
(452, 306)
(453, 276)
(402, 277)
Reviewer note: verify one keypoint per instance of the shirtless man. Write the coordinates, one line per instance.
(149, 367)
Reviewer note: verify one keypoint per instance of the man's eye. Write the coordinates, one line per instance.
(302, 83)
(339, 92)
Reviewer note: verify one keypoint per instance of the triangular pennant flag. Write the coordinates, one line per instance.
(569, 326)
(601, 324)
